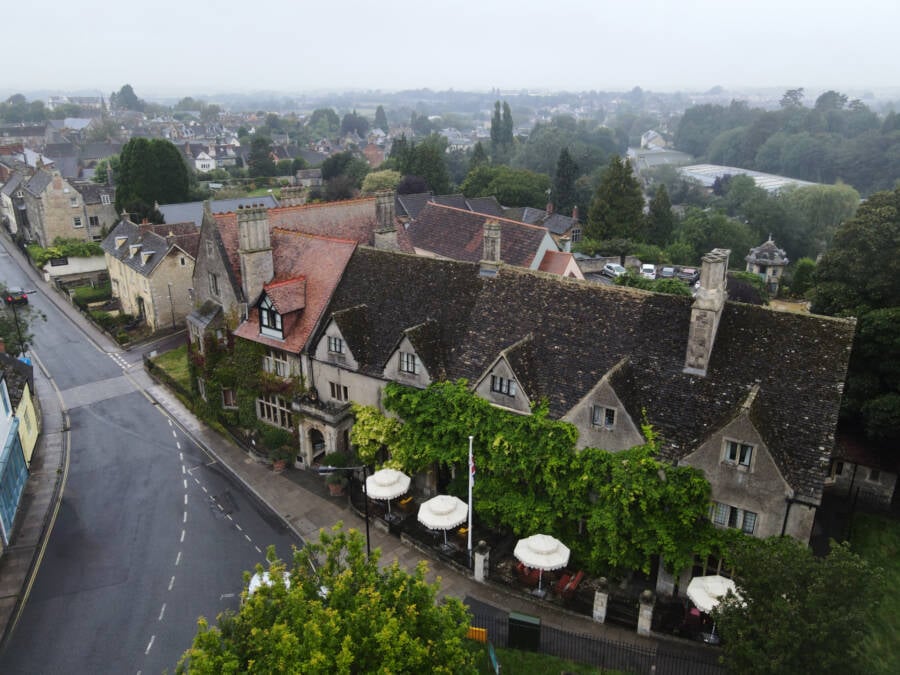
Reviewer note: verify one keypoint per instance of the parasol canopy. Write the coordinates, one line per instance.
(542, 552)
(707, 592)
(387, 484)
(443, 512)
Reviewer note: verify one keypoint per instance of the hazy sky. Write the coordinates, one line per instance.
(182, 47)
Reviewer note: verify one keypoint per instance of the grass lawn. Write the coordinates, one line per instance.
(877, 539)
(514, 661)
(175, 363)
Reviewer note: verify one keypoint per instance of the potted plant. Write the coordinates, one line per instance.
(281, 456)
(336, 482)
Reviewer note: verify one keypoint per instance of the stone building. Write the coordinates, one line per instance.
(768, 261)
(56, 207)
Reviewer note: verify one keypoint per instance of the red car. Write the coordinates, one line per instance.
(16, 296)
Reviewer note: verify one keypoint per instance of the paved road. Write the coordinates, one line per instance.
(151, 533)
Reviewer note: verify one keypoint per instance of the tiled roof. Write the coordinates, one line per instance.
(193, 211)
(555, 262)
(352, 220)
(459, 235)
(91, 192)
(486, 205)
(307, 270)
(562, 336)
(38, 182)
(12, 184)
(157, 240)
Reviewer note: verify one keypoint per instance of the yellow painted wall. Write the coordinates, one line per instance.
(28, 424)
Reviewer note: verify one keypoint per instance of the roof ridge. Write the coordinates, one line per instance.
(339, 240)
(484, 215)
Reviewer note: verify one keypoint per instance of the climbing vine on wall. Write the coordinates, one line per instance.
(616, 510)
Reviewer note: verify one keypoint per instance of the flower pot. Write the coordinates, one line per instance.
(336, 489)
(279, 465)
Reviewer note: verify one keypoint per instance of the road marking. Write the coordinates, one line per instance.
(170, 421)
(185, 496)
(226, 595)
(171, 583)
(258, 549)
(182, 536)
(174, 433)
(185, 517)
(248, 538)
(220, 506)
(178, 445)
(228, 515)
(204, 487)
(178, 559)
(183, 470)
(237, 526)
(162, 612)
(150, 644)
(185, 483)
(196, 480)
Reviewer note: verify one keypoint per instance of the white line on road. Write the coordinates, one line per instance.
(182, 536)
(258, 549)
(183, 470)
(220, 506)
(150, 644)
(174, 433)
(178, 559)
(247, 538)
(171, 583)
(178, 445)
(170, 422)
(162, 612)
(185, 483)
(204, 488)
(196, 480)
(185, 497)
(226, 595)
(180, 456)
(228, 515)
(185, 517)
(238, 527)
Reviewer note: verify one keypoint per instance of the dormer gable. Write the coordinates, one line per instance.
(406, 366)
(133, 250)
(602, 419)
(271, 323)
(145, 256)
(500, 386)
(333, 347)
(120, 241)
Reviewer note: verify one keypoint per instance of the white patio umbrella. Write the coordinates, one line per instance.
(542, 552)
(443, 512)
(707, 592)
(387, 484)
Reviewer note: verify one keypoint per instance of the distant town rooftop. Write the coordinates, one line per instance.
(707, 174)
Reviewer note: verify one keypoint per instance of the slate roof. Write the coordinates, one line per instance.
(563, 335)
(155, 239)
(12, 184)
(91, 192)
(556, 223)
(307, 270)
(193, 211)
(38, 183)
(458, 234)
(17, 374)
(486, 205)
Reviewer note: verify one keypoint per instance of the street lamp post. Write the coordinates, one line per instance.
(365, 469)
(22, 345)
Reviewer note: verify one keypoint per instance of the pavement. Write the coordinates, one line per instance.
(298, 497)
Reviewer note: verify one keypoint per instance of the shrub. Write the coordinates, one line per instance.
(84, 295)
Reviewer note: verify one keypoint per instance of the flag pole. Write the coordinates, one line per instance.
(471, 483)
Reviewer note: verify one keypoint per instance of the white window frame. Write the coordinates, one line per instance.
(105, 199)
(77, 223)
(503, 385)
(409, 363)
(339, 392)
(270, 323)
(603, 417)
(335, 345)
(229, 398)
(213, 284)
(274, 410)
(276, 363)
(73, 202)
(738, 453)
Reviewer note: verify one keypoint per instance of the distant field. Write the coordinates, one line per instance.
(877, 539)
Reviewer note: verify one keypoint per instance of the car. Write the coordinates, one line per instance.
(612, 270)
(16, 296)
(648, 271)
(689, 275)
(667, 273)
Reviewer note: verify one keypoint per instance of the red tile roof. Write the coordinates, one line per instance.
(307, 270)
(458, 234)
(555, 262)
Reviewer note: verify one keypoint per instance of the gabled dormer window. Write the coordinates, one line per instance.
(120, 241)
(104, 199)
(145, 256)
(409, 363)
(133, 250)
(269, 319)
(335, 345)
(503, 385)
(603, 417)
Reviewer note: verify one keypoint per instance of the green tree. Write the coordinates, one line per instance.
(150, 171)
(259, 160)
(381, 119)
(801, 276)
(617, 209)
(104, 168)
(428, 160)
(660, 219)
(792, 98)
(378, 181)
(564, 192)
(705, 230)
(353, 122)
(501, 133)
(15, 325)
(795, 613)
(323, 123)
(479, 157)
(126, 99)
(511, 187)
(341, 614)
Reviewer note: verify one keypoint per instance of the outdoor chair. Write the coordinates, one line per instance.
(562, 583)
(569, 591)
(528, 576)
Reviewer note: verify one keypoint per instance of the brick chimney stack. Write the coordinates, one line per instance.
(386, 228)
(490, 263)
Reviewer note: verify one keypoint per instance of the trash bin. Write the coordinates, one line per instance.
(524, 631)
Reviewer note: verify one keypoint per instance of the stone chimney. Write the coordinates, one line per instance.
(490, 263)
(706, 311)
(293, 196)
(575, 213)
(254, 250)
(386, 227)
(549, 208)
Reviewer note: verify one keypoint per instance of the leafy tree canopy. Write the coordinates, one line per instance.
(565, 194)
(126, 99)
(511, 187)
(381, 121)
(354, 122)
(340, 613)
(15, 325)
(381, 180)
(795, 609)
(617, 209)
(150, 171)
(323, 123)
